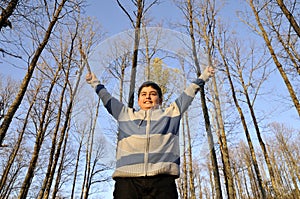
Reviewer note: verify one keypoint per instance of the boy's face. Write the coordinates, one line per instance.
(148, 98)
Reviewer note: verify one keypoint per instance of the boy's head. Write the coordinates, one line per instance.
(149, 95)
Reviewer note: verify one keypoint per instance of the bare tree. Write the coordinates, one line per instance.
(78, 155)
(13, 165)
(254, 117)
(188, 189)
(221, 48)
(183, 185)
(89, 151)
(191, 20)
(289, 16)
(284, 137)
(120, 54)
(7, 95)
(42, 126)
(142, 8)
(274, 56)
(15, 105)
(69, 50)
(288, 40)
(6, 13)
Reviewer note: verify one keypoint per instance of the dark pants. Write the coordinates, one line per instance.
(154, 187)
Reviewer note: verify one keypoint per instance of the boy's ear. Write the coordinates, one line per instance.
(160, 101)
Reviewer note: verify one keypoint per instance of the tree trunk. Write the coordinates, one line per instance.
(77, 165)
(213, 156)
(289, 16)
(44, 192)
(6, 13)
(184, 165)
(275, 59)
(64, 140)
(38, 142)
(238, 181)
(16, 103)
(190, 155)
(63, 134)
(246, 185)
(223, 144)
(258, 134)
(244, 123)
(137, 33)
(211, 180)
(16, 148)
(89, 155)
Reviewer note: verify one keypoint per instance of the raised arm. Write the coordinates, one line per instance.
(186, 98)
(112, 105)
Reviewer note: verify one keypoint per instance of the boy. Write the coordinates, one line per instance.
(148, 155)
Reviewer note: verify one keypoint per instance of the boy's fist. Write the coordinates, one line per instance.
(207, 73)
(211, 71)
(91, 79)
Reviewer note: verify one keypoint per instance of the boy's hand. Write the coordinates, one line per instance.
(92, 79)
(207, 73)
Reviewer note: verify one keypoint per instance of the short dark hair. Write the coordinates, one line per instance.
(153, 85)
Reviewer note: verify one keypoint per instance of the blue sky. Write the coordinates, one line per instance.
(114, 21)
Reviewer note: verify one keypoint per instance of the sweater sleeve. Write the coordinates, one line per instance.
(188, 95)
(113, 106)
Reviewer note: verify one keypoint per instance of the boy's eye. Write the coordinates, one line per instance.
(152, 94)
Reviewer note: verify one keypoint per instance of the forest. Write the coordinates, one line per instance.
(240, 138)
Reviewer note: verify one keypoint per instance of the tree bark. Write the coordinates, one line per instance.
(244, 123)
(16, 103)
(190, 155)
(38, 143)
(223, 144)
(17, 145)
(289, 16)
(258, 134)
(137, 33)
(213, 155)
(184, 165)
(6, 13)
(275, 59)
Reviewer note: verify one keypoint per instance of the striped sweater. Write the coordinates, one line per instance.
(148, 141)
